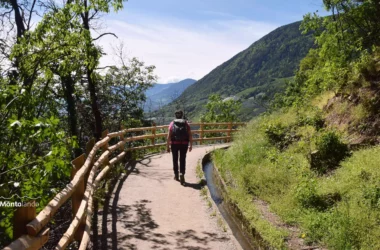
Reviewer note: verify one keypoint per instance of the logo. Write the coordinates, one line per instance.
(5, 201)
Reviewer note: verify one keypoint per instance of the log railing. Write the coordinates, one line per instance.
(30, 230)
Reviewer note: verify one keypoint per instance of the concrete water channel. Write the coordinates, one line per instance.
(248, 240)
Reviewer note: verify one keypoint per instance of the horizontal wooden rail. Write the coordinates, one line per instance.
(89, 170)
(212, 139)
(141, 137)
(218, 123)
(30, 242)
(220, 130)
(162, 127)
(162, 135)
(217, 138)
(146, 147)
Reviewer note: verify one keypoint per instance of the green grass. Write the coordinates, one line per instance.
(199, 171)
(359, 113)
(203, 193)
(221, 224)
(340, 209)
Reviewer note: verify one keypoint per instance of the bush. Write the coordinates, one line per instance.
(307, 196)
(314, 120)
(330, 151)
(280, 136)
(306, 191)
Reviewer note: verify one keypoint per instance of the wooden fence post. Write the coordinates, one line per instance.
(105, 147)
(154, 134)
(104, 134)
(78, 194)
(95, 200)
(89, 145)
(229, 131)
(121, 137)
(22, 216)
(201, 128)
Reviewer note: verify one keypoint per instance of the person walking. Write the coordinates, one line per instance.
(179, 141)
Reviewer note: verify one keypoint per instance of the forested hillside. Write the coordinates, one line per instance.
(257, 72)
(313, 163)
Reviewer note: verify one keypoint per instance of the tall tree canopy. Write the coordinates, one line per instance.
(53, 96)
(347, 44)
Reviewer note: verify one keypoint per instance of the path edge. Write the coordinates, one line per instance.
(214, 207)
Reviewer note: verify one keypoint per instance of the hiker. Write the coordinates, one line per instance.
(180, 139)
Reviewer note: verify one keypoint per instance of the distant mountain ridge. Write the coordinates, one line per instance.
(162, 94)
(259, 70)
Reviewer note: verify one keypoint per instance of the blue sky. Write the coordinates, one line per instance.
(187, 39)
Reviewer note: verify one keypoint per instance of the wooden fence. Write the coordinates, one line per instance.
(30, 230)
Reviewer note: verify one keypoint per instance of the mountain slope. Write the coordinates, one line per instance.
(255, 71)
(162, 94)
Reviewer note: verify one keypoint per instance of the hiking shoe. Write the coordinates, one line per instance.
(182, 177)
(176, 177)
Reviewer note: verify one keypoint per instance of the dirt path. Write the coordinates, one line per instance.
(150, 210)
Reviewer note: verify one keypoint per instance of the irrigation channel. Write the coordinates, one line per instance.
(248, 240)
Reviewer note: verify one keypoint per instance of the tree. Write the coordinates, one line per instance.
(44, 74)
(218, 110)
(344, 40)
(122, 92)
(89, 9)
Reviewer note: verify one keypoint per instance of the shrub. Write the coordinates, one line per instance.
(314, 120)
(330, 152)
(280, 136)
(307, 196)
(306, 191)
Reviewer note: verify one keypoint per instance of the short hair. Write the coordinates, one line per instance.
(178, 114)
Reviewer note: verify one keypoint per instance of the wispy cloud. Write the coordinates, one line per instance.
(179, 48)
(212, 13)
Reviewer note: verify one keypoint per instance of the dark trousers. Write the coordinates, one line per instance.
(181, 150)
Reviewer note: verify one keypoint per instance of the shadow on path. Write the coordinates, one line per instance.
(183, 237)
(197, 186)
(138, 222)
(115, 210)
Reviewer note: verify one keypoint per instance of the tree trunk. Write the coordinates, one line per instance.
(18, 18)
(94, 105)
(90, 79)
(68, 86)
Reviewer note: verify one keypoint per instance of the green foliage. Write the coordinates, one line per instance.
(352, 221)
(280, 136)
(314, 119)
(40, 159)
(339, 210)
(46, 110)
(306, 193)
(330, 152)
(219, 110)
(122, 93)
(346, 55)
